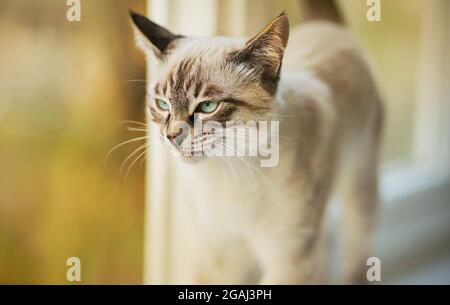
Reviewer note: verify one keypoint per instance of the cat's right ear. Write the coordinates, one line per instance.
(152, 38)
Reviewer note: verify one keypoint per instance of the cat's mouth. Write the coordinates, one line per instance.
(193, 151)
(187, 152)
(188, 156)
(192, 159)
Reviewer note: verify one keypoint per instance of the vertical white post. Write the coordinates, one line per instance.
(433, 110)
(187, 17)
(195, 17)
(157, 209)
(233, 17)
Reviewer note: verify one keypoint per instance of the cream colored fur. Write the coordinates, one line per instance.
(236, 222)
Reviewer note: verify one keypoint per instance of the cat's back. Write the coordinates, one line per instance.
(328, 52)
(318, 43)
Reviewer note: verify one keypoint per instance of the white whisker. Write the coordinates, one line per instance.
(131, 155)
(136, 129)
(134, 122)
(134, 162)
(122, 144)
(135, 80)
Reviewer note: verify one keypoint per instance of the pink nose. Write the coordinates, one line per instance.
(173, 137)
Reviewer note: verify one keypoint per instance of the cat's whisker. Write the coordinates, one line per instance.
(259, 133)
(284, 170)
(136, 129)
(141, 163)
(135, 81)
(133, 163)
(209, 141)
(233, 151)
(249, 169)
(256, 139)
(134, 122)
(250, 139)
(258, 171)
(122, 144)
(130, 156)
(229, 166)
(249, 164)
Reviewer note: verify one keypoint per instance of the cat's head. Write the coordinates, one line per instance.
(209, 80)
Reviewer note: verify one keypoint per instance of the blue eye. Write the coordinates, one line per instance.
(208, 106)
(162, 104)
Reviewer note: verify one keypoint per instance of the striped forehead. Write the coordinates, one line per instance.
(195, 61)
(188, 79)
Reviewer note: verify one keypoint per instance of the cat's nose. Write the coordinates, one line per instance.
(177, 131)
(172, 137)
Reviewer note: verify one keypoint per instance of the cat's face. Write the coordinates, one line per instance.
(199, 86)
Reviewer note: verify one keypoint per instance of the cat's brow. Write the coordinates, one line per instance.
(186, 79)
(183, 79)
(212, 90)
(251, 107)
(159, 89)
(225, 113)
(180, 76)
(197, 89)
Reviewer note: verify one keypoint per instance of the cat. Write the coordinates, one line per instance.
(250, 223)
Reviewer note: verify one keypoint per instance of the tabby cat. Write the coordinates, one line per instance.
(248, 222)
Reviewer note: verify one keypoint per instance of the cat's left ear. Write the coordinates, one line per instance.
(266, 50)
(151, 37)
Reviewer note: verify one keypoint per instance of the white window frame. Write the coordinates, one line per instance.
(429, 164)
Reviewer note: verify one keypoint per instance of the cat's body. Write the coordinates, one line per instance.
(242, 215)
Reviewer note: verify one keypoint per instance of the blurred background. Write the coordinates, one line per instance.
(64, 93)
(68, 90)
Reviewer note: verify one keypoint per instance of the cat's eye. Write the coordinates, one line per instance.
(208, 106)
(163, 105)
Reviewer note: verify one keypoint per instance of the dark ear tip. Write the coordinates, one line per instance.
(134, 15)
(138, 19)
(284, 16)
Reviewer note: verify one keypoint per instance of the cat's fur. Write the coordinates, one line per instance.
(330, 121)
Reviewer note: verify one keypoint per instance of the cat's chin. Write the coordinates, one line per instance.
(191, 159)
(186, 156)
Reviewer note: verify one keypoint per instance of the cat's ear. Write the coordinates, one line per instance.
(151, 37)
(265, 51)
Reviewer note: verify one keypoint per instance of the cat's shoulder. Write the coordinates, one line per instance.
(313, 42)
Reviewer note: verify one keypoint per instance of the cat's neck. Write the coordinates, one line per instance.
(294, 88)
